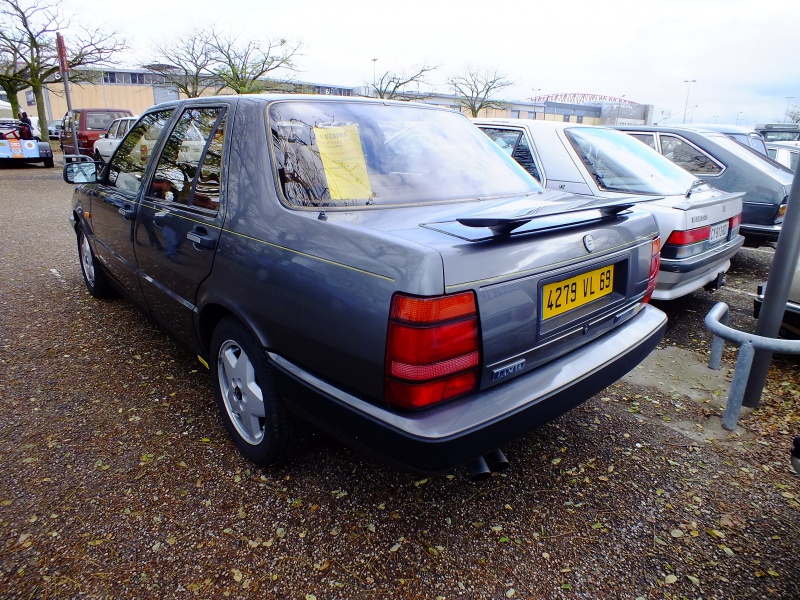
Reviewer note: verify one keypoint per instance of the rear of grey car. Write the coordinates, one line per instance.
(459, 306)
(381, 270)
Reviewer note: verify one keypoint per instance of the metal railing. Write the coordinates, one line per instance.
(717, 323)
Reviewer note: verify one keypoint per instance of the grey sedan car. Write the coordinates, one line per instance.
(379, 269)
(699, 226)
(727, 165)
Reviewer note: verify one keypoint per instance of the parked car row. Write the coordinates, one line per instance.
(698, 225)
(421, 291)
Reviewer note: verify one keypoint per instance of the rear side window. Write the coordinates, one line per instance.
(647, 138)
(189, 168)
(128, 165)
(515, 144)
(688, 157)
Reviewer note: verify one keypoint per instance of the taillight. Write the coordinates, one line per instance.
(432, 349)
(655, 265)
(781, 212)
(691, 236)
(735, 221)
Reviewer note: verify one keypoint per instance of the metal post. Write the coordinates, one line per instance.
(777, 292)
(734, 406)
(718, 345)
(64, 68)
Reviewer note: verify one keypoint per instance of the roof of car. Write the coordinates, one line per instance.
(532, 123)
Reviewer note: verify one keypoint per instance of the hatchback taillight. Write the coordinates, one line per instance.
(432, 349)
(655, 265)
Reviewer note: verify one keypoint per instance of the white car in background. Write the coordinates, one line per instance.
(698, 224)
(786, 153)
(104, 147)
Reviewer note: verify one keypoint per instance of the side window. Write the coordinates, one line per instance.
(504, 138)
(794, 160)
(647, 138)
(683, 154)
(524, 156)
(127, 168)
(112, 131)
(123, 128)
(772, 152)
(515, 144)
(190, 166)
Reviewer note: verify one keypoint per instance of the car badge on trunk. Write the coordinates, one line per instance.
(588, 242)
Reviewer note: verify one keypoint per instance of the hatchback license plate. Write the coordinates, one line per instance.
(718, 231)
(563, 296)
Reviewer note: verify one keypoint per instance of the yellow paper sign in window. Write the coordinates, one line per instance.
(344, 162)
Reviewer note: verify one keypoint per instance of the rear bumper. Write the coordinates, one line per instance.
(677, 278)
(441, 438)
(767, 233)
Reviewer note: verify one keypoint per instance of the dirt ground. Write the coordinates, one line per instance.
(119, 480)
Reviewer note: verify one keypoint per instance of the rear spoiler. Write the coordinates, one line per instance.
(557, 215)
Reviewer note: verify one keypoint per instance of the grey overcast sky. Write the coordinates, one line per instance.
(741, 54)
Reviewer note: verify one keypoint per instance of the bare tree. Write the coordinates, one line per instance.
(13, 76)
(241, 65)
(391, 84)
(475, 89)
(188, 63)
(28, 32)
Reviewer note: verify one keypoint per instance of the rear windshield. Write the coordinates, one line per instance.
(337, 154)
(760, 161)
(101, 121)
(618, 162)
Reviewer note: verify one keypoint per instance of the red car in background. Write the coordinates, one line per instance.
(90, 124)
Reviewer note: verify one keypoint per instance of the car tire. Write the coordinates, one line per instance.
(247, 396)
(93, 275)
(49, 163)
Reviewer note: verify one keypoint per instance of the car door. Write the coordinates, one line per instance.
(114, 202)
(179, 220)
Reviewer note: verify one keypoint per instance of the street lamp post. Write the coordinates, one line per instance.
(686, 104)
(788, 101)
(374, 60)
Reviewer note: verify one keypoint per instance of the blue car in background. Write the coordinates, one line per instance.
(727, 165)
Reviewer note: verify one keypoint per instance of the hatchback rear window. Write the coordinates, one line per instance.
(337, 154)
(102, 120)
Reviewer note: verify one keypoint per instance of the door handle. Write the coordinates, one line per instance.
(127, 212)
(200, 236)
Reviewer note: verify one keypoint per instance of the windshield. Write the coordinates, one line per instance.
(331, 154)
(619, 162)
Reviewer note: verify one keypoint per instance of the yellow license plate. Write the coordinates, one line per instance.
(562, 296)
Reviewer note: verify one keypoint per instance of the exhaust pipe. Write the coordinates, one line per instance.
(482, 468)
(478, 470)
(496, 460)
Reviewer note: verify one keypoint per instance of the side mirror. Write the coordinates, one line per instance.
(80, 172)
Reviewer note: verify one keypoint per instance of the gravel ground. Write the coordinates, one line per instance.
(120, 482)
